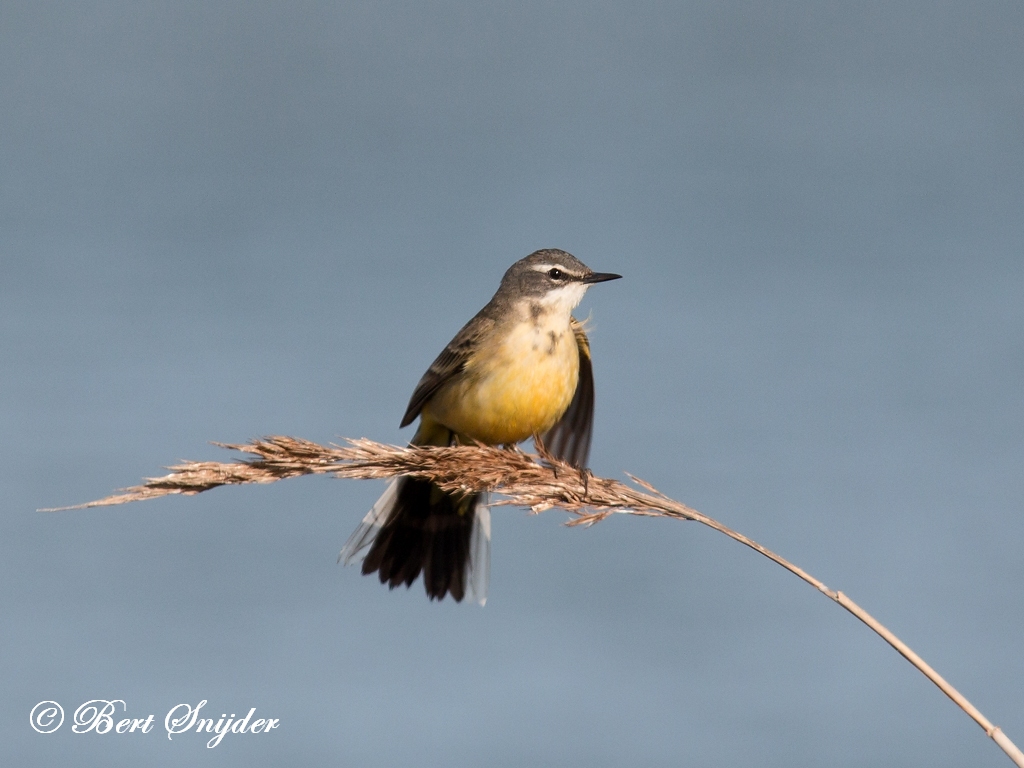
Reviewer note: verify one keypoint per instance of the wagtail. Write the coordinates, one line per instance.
(519, 369)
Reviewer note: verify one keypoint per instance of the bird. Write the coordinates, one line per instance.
(519, 369)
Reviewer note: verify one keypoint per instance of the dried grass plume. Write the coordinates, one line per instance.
(536, 482)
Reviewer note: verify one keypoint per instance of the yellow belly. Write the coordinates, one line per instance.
(519, 390)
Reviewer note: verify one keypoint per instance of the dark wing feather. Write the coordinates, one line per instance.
(450, 362)
(569, 439)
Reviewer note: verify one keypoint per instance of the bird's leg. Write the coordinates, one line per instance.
(545, 455)
(585, 475)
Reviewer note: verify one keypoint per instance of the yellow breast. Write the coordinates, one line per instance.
(516, 388)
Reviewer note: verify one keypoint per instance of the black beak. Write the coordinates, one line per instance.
(600, 277)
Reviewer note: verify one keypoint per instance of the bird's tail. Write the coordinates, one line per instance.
(414, 527)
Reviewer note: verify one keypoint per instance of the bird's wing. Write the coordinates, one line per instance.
(450, 362)
(569, 439)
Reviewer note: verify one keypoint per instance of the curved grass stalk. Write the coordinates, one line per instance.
(517, 476)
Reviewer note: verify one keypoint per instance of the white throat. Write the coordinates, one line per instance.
(564, 299)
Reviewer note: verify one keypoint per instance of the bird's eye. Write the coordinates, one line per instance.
(555, 273)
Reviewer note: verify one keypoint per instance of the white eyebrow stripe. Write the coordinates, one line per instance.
(559, 267)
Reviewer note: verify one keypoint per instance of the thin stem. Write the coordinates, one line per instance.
(993, 731)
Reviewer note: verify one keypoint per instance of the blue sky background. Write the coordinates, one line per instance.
(224, 220)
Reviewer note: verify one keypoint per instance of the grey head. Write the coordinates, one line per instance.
(552, 274)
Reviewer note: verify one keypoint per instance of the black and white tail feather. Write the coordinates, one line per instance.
(399, 541)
